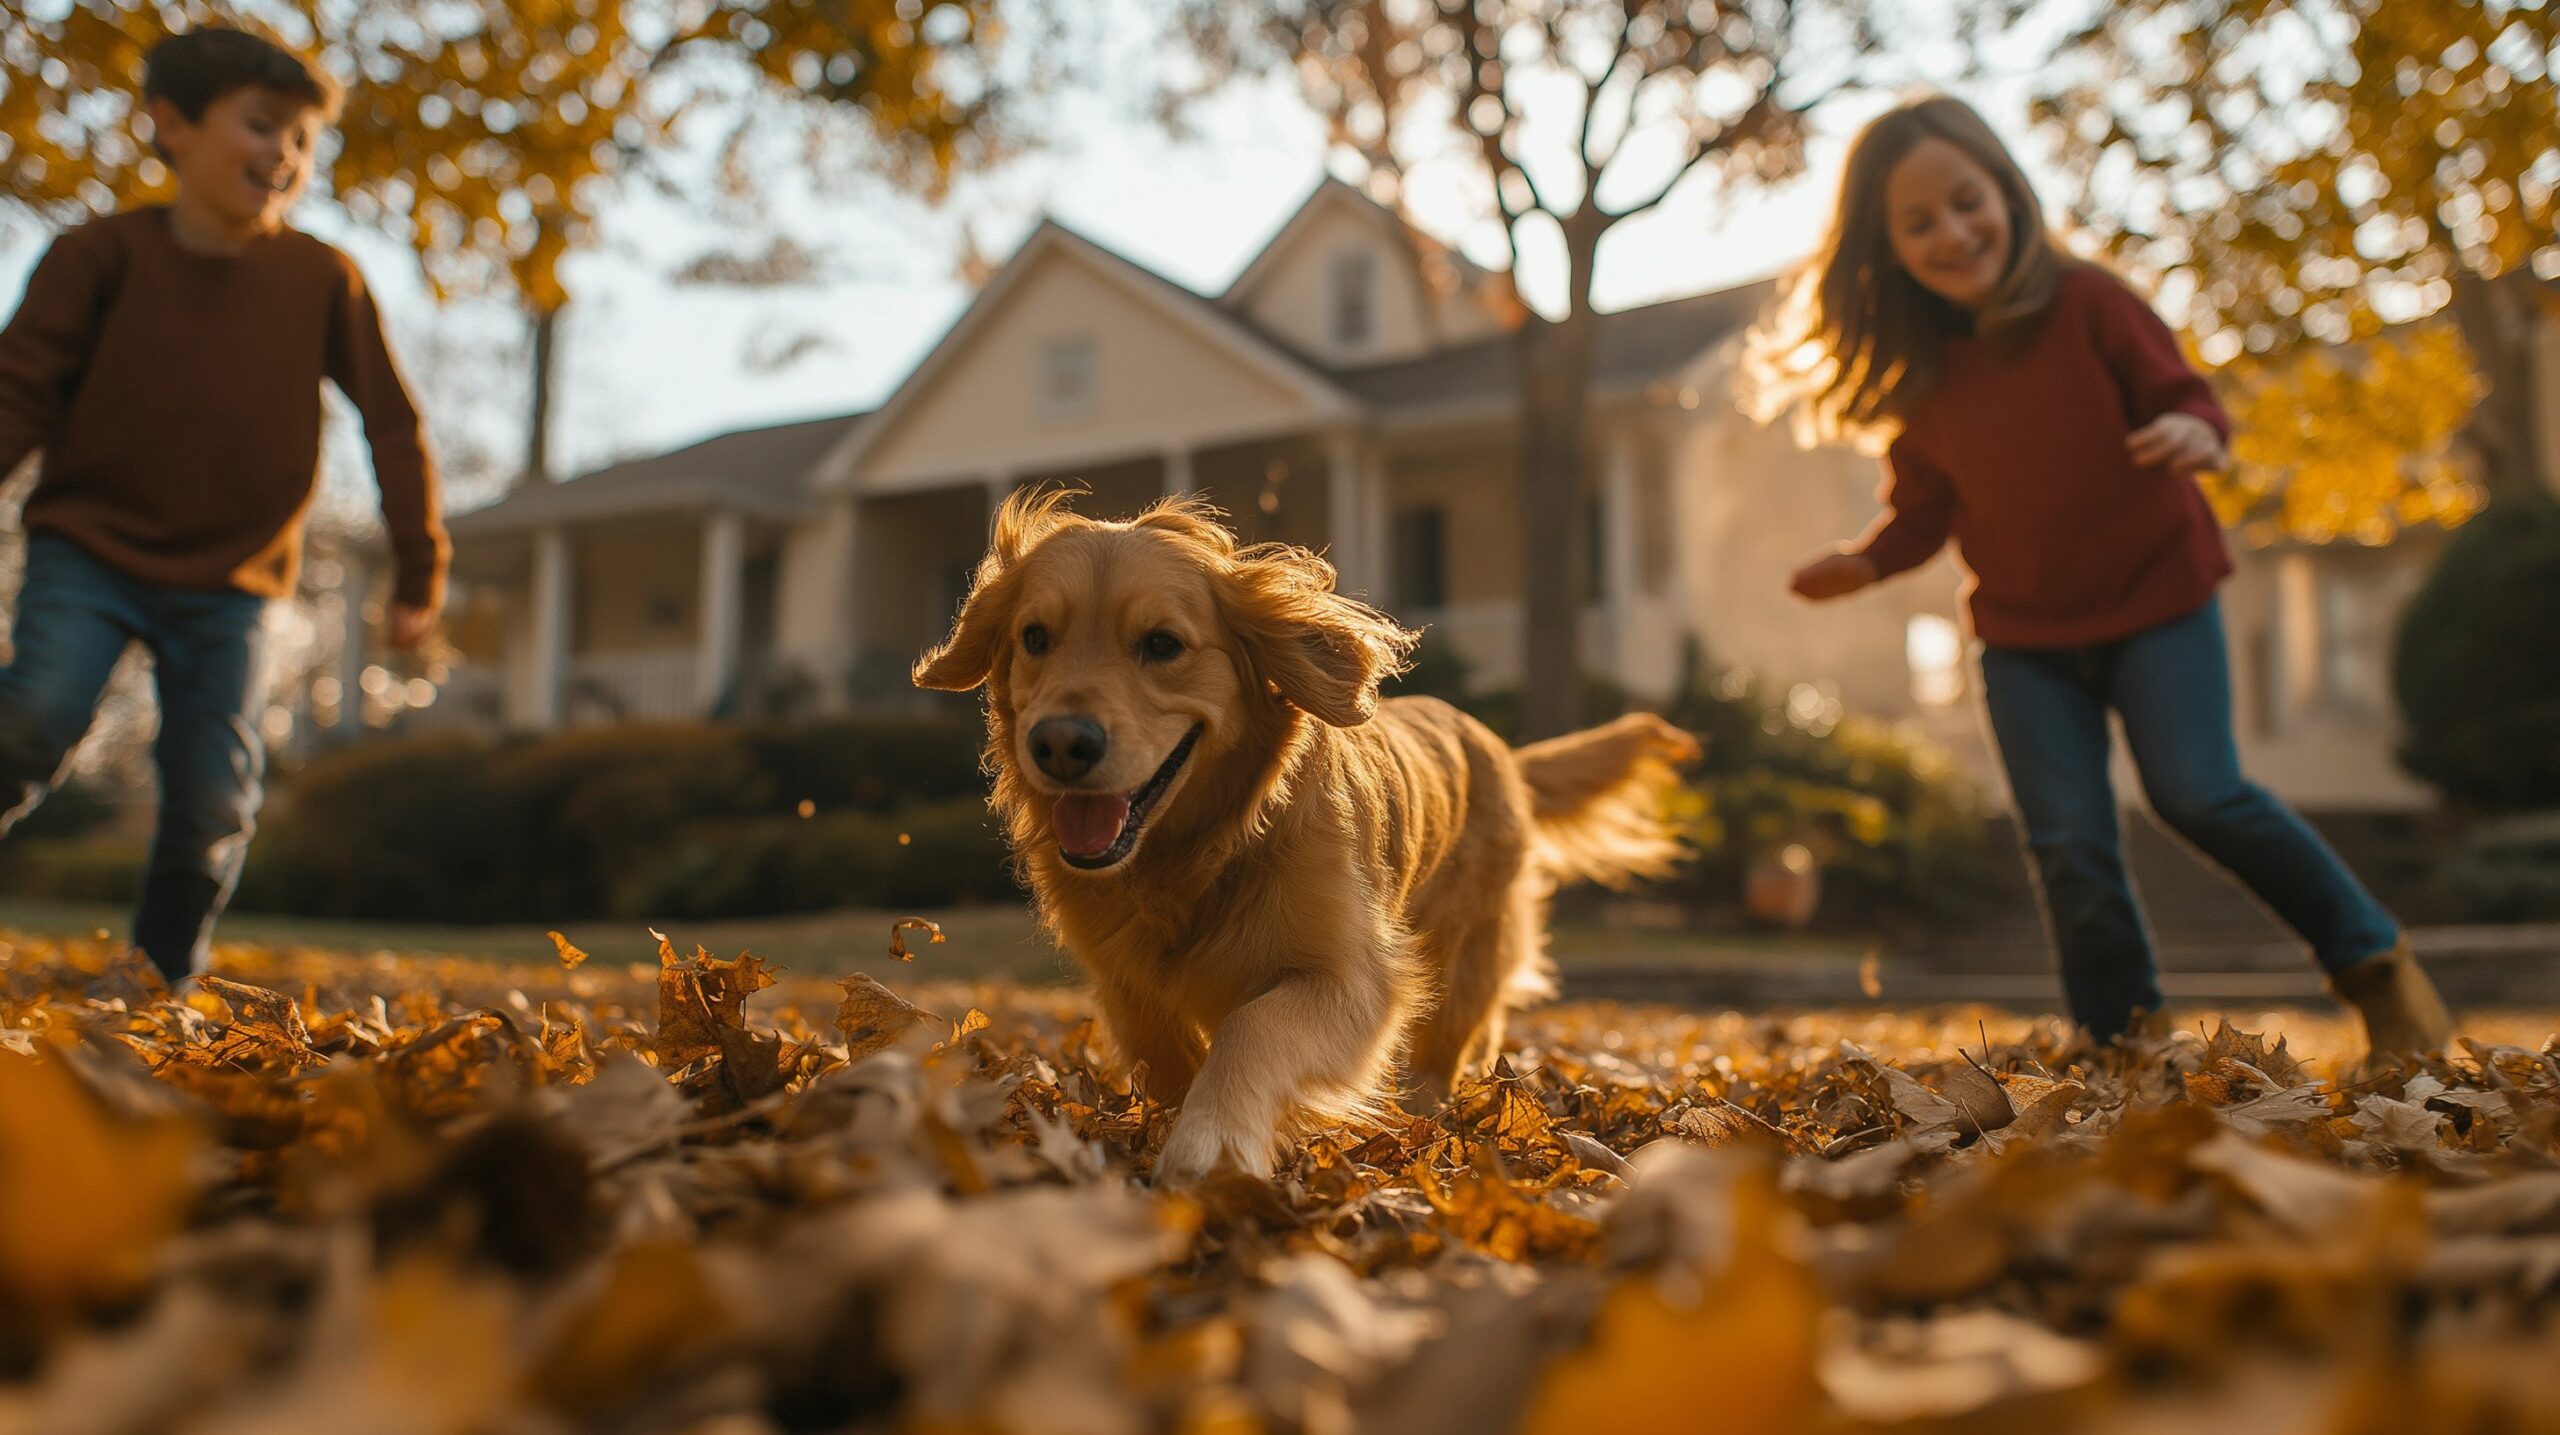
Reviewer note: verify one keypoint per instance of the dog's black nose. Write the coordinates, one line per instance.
(1066, 748)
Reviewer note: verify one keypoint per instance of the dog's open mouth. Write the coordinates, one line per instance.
(1099, 829)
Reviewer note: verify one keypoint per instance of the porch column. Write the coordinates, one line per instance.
(1620, 584)
(552, 581)
(1178, 480)
(844, 590)
(1346, 509)
(2298, 639)
(724, 571)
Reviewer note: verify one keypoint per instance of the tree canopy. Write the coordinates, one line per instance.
(488, 134)
(2314, 172)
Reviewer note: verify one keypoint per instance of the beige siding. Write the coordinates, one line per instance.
(1158, 383)
(1295, 298)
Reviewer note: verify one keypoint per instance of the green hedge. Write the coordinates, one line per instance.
(1896, 828)
(674, 820)
(2474, 671)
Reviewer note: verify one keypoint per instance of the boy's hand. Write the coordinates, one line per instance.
(1834, 575)
(410, 625)
(2182, 442)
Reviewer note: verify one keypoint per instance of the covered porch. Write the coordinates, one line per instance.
(1423, 525)
(635, 617)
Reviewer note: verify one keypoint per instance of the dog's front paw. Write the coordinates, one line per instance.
(1201, 1144)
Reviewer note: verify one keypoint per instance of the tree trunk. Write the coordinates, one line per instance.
(1555, 395)
(537, 434)
(2501, 321)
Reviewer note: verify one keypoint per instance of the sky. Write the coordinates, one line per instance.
(649, 363)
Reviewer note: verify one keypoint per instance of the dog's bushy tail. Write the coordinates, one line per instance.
(1597, 799)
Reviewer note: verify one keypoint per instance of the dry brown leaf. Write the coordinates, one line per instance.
(898, 936)
(872, 1018)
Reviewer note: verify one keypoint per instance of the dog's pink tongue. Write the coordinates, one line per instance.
(1087, 824)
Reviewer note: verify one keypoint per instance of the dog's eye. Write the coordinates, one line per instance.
(1035, 639)
(1159, 647)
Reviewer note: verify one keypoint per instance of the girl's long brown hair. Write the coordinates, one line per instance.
(1853, 340)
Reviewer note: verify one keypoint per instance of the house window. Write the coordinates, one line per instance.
(1934, 648)
(1066, 378)
(1355, 284)
(1421, 559)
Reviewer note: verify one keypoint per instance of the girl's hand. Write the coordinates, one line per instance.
(410, 625)
(2182, 442)
(1834, 575)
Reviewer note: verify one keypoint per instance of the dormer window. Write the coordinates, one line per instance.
(1355, 299)
(1066, 378)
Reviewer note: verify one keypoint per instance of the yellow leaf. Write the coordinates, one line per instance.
(1741, 1359)
(84, 1199)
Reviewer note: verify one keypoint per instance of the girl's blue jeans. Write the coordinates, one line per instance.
(2171, 687)
(75, 617)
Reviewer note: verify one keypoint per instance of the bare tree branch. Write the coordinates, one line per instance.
(1592, 91)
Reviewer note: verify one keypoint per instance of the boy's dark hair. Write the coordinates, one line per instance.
(194, 69)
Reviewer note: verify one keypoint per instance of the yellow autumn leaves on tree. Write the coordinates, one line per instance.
(486, 133)
(2350, 444)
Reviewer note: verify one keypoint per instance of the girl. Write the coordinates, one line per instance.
(2042, 416)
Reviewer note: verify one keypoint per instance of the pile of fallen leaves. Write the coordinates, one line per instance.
(334, 1194)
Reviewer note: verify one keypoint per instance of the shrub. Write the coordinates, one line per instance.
(77, 869)
(622, 820)
(924, 857)
(404, 829)
(1892, 822)
(2474, 671)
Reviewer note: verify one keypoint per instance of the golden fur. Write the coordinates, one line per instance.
(1329, 883)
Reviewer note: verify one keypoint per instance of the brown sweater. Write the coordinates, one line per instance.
(176, 397)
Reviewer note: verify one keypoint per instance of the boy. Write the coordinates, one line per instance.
(167, 361)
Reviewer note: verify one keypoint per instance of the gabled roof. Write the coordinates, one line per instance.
(1202, 315)
(1636, 346)
(1333, 193)
(765, 472)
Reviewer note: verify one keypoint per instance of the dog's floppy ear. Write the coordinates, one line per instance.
(967, 657)
(1322, 652)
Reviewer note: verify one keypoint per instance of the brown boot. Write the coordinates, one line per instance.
(2402, 1014)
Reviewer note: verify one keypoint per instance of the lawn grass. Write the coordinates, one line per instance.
(983, 942)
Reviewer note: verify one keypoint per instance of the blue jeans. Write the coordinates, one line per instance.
(2171, 686)
(75, 617)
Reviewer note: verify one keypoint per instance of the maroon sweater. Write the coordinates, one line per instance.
(2019, 456)
(176, 397)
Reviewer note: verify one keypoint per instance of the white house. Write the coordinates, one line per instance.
(1352, 391)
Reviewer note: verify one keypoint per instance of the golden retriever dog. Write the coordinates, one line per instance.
(1281, 885)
